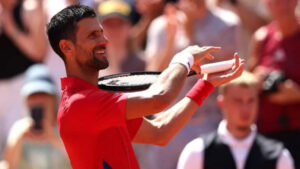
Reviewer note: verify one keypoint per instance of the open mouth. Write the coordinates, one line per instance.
(101, 50)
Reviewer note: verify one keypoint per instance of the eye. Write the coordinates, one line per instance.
(93, 35)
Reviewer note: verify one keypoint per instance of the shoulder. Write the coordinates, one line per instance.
(192, 155)
(194, 148)
(285, 160)
(269, 146)
(18, 130)
(96, 96)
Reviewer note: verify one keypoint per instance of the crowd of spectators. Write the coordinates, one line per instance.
(144, 35)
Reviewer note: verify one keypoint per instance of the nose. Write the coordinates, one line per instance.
(103, 41)
(244, 107)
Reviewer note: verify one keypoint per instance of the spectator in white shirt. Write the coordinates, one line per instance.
(236, 143)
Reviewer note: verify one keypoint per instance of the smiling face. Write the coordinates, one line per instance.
(116, 30)
(89, 50)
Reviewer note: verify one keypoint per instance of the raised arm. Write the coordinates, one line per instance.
(163, 128)
(34, 41)
(167, 87)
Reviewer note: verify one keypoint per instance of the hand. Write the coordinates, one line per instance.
(201, 53)
(220, 78)
(288, 92)
(261, 72)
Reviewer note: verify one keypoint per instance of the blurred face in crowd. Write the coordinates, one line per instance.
(89, 50)
(116, 30)
(239, 104)
(8, 3)
(281, 9)
(46, 105)
(73, 1)
(192, 6)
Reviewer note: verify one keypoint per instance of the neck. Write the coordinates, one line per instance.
(239, 132)
(288, 27)
(90, 76)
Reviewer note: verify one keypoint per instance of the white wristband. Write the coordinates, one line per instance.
(184, 58)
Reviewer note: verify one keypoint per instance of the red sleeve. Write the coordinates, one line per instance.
(133, 126)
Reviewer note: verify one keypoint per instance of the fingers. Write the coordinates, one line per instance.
(196, 68)
(212, 49)
(238, 71)
(236, 62)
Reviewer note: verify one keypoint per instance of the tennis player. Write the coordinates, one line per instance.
(97, 127)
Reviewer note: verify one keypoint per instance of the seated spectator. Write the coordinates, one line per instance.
(236, 143)
(33, 142)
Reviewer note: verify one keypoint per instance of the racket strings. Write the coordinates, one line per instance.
(132, 80)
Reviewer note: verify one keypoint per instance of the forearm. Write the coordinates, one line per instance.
(160, 94)
(173, 120)
(176, 117)
(138, 33)
(288, 93)
(34, 47)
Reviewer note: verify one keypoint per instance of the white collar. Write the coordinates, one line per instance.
(230, 140)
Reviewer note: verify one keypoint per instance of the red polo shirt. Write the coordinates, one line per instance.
(93, 127)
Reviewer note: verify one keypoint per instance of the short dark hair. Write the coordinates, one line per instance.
(63, 25)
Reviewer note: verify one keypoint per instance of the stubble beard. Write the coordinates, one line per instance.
(99, 64)
(94, 64)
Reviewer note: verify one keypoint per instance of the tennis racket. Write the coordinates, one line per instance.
(137, 81)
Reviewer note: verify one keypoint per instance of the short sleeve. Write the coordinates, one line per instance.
(133, 126)
(285, 160)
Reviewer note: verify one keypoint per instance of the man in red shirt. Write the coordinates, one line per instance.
(97, 127)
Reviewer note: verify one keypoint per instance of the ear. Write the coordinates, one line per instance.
(66, 46)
